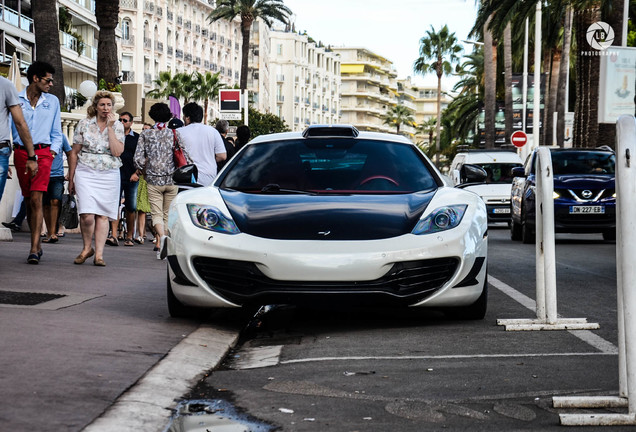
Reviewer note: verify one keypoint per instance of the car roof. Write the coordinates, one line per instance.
(331, 131)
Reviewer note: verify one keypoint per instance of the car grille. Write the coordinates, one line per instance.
(595, 194)
(242, 282)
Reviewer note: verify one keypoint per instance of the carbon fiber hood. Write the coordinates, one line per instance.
(325, 217)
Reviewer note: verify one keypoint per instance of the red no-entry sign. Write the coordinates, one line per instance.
(519, 139)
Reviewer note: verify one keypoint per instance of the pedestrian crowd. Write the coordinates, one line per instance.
(118, 176)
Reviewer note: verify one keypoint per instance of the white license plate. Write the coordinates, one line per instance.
(587, 210)
(501, 210)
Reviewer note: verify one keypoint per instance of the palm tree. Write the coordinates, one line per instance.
(397, 116)
(490, 85)
(166, 85)
(207, 88)
(44, 13)
(438, 52)
(249, 11)
(107, 16)
(428, 127)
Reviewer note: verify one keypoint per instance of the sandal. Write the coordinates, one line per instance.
(50, 240)
(139, 240)
(128, 242)
(112, 241)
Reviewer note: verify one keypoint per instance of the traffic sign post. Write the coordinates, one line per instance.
(519, 139)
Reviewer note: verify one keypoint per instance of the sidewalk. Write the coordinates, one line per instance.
(67, 360)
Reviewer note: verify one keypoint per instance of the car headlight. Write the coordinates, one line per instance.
(211, 218)
(555, 195)
(441, 219)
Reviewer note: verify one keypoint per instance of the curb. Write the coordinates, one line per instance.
(149, 404)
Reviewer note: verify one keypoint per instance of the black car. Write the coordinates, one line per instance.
(584, 194)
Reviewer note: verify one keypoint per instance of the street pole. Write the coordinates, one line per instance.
(536, 110)
(245, 108)
(524, 88)
(625, 19)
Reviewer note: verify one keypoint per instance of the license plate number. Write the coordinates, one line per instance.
(587, 210)
(501, 210)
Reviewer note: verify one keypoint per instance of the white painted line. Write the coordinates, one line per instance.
(257, 357)
(446, 357)
(585, 335)
(148, 405)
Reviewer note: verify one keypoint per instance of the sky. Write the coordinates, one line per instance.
(391, 29)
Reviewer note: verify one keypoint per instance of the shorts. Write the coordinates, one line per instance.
(129, 188)
(39, 183)
(55, 190)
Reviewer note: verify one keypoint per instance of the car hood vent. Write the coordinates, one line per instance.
(326, 217)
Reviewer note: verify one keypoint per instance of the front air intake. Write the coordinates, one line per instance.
(342, 131)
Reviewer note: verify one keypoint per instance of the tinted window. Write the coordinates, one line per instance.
(583, 162)
(499, 172)
(330, 166)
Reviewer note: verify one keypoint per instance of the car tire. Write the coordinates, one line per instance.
(176, 309)
(528, 235)
(473, 312)
(515, 231)
(609, 235)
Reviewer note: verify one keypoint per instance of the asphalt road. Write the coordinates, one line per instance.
(369, 370)
(66, 362)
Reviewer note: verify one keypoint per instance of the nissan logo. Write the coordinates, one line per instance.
(587, 194)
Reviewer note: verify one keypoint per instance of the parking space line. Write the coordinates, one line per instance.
(586, 336)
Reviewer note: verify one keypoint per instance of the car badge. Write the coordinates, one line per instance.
(587, 194)
(324, 233)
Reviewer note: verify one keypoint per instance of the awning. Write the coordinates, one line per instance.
(18, 46)
(351, 68)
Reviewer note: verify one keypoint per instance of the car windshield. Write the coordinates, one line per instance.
(329, 166)
(583, 162)
(499, 173)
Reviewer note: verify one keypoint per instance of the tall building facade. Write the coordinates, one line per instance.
(305, 80)
(369, 88)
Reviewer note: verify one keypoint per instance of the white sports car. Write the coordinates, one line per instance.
(328, 215)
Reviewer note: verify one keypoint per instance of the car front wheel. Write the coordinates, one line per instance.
(475, 311)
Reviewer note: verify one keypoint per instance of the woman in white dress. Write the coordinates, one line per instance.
(94, 173)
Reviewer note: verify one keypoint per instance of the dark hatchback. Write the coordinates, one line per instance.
(584, 194)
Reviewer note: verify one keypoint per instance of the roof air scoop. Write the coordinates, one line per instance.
(344, 131)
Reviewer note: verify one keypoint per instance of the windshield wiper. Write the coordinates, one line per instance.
(275, 188)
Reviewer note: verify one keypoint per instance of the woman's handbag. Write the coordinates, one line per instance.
(177, 151)
(69, 218)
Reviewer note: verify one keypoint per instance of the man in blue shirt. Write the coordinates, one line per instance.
(41, 112)
(10, 104)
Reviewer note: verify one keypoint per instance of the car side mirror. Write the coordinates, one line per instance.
(471, 174)
(518, 172)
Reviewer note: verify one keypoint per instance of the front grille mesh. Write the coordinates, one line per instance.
(242, 281)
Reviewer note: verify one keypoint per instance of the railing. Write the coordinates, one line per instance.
(128, 4)
(147, 78)
(188, 58)
(147, 43)
(170, 50)
(149, 7)
(15, 19)
(130, 41)
(128, 76)
(169, 15)
(158, 46)
(178, 54)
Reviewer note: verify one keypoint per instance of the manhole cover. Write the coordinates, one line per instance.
(26, 298)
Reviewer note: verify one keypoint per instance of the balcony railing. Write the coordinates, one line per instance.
(128, 4)
(147, 43)
(128, 76)
(15, 19)
(178, 54)
(130, 41)
(169, 15)
(159, 46)
(188, 58)
(147, 78)
(149, 7)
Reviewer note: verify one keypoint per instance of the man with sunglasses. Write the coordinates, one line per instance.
(129, 183)
(41, 112)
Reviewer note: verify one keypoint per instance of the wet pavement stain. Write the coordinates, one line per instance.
(202, 415)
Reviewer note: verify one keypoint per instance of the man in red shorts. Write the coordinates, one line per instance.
(41, 112)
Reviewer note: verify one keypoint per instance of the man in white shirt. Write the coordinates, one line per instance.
(203, 143)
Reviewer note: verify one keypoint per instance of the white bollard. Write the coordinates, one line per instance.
(546, 293)
(626, 293)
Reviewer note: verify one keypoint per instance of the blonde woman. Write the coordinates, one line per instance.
(94, 173)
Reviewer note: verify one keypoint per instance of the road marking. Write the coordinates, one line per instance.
(586, 336)
(445, 357)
